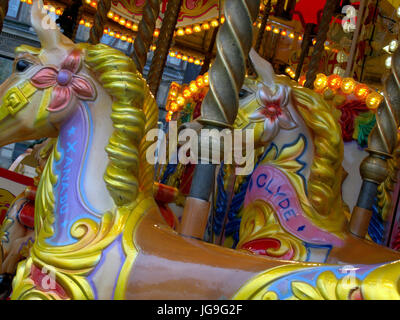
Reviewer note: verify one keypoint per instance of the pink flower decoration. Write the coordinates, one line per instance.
(65, 81)
(273, 111)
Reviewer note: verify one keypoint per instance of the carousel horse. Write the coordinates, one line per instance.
(99, 233)
(291, 207)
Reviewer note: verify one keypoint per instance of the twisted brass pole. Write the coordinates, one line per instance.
(381, 144)
(163, 45)
(220, 105)
(305, 48)
(144, 37)
(100, 19)
(319, 47)
(260, 36)
(3, 12)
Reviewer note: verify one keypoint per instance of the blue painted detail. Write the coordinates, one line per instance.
(283, 286)
(309, 246)
(301, 228)
(83, 173)
(376, 226)
(171, 168)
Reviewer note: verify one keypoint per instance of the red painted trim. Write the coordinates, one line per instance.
(16, 177)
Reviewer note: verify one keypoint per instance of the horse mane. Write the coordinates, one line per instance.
(134, 113)
(324, 183)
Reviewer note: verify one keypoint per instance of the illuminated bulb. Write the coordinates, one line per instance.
(348, 85)
(175, 106)
(388, 62)
(200, 82)
(398, 12)
(172, 54)
(259, 25)
(301, 38)
(110, 14)
(268, 28)
(128, 24)
(314, 42)
(117, 35)
(116, 18)
(193, 87)
(222, 19)
(188, 30)
(393, 45)
(153, 48)
(52, 9)
(276, 31)
(197, 62)
(373, 100)
(187, 93)
(23, 1)
(321, 81)
(135, 27)
(122, 21)
(87, 24)
(302, 80)
(180, 32)
(105, 31)
(111, 34)
(284, 33)
(58, 12)
(205, 79)
(205, 26)
(156, 33)
(291, 36)
(130, 39)
(29, 2)
(185, 58)
(197, 28)
(334, 82)
(287, 70)
(82, 21)
(179, 56)
(124, 38)
(88, 1)
(191, 60)
(214, 23)
(361, 91)
(93, 4)
(180, 101)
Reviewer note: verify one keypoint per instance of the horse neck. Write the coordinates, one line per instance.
(80, 191)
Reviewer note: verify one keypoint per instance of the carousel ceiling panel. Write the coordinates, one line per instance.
(193, 11)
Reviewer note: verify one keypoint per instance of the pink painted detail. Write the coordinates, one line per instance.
(272, 186)
(260, 247)
(40, 280)
(67, 84)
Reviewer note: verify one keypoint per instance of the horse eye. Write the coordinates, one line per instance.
(22, 65)
(243, 93)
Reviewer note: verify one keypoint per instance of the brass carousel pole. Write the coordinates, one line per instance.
(260, 36)
(381, 144)
(100, 19)
(3, 12)
(319, 47)
(163, 45)
(220, 106)
(78, 18)
(144, 37)
(305, 47)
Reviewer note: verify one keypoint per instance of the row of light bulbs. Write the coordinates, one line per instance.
(178, 32)
(348, 86)
(179, 96)
(58, 11)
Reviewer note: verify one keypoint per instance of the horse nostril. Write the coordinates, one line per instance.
(5, 285)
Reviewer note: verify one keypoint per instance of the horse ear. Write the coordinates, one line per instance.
(263, 68)
(47, 30)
